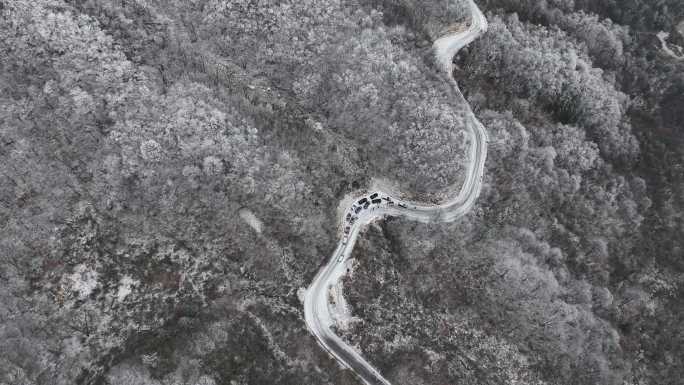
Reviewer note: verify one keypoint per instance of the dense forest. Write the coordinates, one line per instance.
(136, 137)
(570, 270)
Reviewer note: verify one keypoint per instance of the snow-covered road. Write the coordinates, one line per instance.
(316, 300)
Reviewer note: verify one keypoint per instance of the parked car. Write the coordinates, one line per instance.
(374, 195)
(376, 201)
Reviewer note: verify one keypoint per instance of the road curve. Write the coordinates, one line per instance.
(316, 305)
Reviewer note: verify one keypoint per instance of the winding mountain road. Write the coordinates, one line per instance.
(378, 205)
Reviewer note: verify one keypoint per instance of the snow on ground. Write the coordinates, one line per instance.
(125, 287)
(346, 203)
(679, 54)
(301, 293)
(251, 219)
(83, 281)
(339, 308)
(130, 374)
(387, 186)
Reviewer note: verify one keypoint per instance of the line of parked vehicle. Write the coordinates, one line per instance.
(371, 201)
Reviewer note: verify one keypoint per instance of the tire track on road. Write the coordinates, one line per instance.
(359, 214)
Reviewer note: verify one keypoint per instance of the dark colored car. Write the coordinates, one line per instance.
(365, 205)
(402, 205)
(346, 230)
(374, 195)
(359, 208)
(348, 216)
(362, 201)
(375, 201)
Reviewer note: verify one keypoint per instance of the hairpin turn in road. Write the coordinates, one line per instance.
(378, 204)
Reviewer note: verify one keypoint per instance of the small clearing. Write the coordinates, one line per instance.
(679, 54)
(251, 219)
